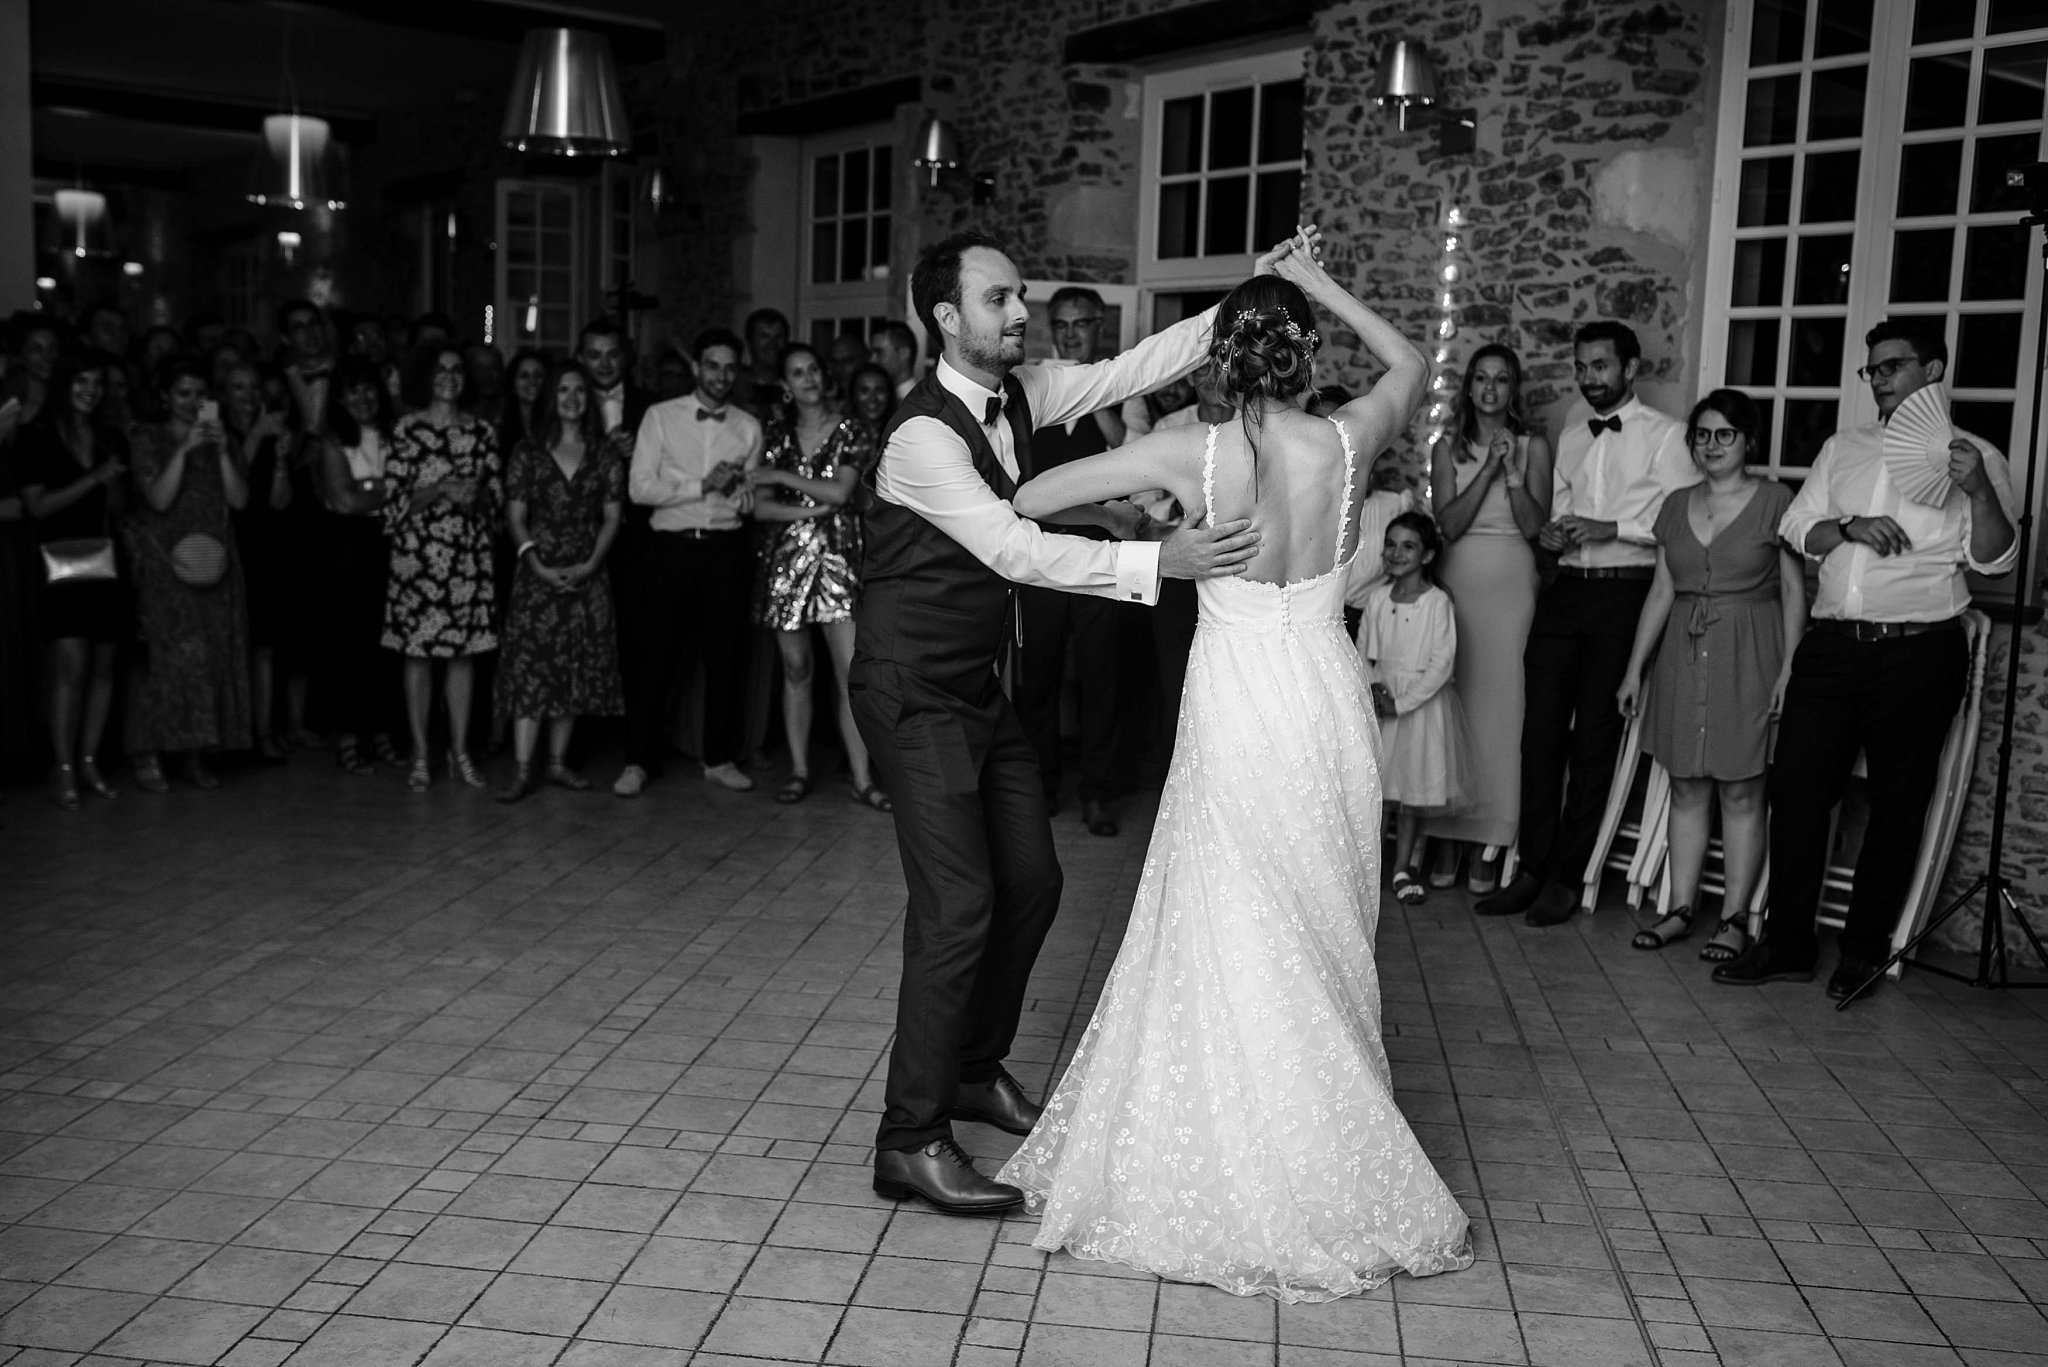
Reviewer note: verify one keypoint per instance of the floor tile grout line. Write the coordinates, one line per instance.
(1599, 1222)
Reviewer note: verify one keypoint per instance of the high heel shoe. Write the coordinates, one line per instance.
(419, 779)
(562, 776)
(463, 768)
(522, 786)
(90, 779)
(64, 787)
(149, 775)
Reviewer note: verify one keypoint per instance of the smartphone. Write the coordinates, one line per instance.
(209, 410)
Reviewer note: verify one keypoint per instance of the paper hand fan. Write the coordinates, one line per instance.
(1916, 446)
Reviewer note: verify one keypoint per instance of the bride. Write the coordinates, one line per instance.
(1229, 1116)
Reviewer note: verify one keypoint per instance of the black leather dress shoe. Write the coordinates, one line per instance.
(999, 1102)
(943, 1174)
(1553, 906)
(1849, 976)
(1097, 817)
(1767, 961)
(1514, 899)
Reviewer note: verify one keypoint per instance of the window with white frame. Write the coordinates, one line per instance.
(849, 215)
(1221, 177)
(1861, 174)
(542, 294)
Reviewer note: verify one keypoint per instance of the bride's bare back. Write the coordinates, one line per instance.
(1295, 500)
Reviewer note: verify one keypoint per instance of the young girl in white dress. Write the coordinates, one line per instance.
(1409, 641)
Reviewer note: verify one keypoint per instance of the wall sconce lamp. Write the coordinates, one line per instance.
(1408, 83)
(938, 152)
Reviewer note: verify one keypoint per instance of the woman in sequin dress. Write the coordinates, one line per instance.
(808, 574)
(441, 485)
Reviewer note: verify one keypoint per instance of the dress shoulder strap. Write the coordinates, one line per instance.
(1209, 476)
(1344, 503)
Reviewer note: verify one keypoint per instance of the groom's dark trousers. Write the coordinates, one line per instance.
(971, 825)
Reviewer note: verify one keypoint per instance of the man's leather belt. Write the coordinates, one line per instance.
(1609, 571)
(698, 533)
(1879, 631)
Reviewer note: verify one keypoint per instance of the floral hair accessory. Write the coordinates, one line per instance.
(1292, 330)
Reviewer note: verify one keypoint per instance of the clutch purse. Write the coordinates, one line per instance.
(83, 560)
(199, 560)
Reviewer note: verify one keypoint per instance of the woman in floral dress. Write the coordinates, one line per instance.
(441, 491)
(563, 493)
(809, 566)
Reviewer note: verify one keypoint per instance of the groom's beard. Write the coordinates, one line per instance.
(998, 354)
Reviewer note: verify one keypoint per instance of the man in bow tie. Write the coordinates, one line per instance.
(690, 461)
(1613, 470)
(309, 347)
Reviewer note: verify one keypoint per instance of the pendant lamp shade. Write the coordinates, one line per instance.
(1407, 78)
(938, 148)
(566, 99)
(82, 221)
(291, 170)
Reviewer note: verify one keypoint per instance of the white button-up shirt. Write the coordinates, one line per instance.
(674, 453)
(611, 406)
(929, 470)
(1924, 584)
(1620, 477)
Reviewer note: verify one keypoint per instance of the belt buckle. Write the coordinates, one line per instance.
(1871, 631)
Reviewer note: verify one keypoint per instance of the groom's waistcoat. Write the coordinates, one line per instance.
(928, 607)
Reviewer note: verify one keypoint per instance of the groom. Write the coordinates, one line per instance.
(937, 624)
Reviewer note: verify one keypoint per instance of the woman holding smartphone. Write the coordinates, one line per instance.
(358, 683)
(191, 692)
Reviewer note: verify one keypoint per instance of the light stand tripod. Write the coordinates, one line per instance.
(1992, 954)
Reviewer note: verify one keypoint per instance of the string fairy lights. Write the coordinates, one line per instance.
(1453, 272)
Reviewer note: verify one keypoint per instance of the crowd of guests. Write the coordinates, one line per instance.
(416, 555)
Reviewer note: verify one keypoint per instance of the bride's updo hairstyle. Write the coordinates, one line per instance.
(1264, 347)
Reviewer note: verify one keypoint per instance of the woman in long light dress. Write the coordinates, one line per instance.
(1229, 1116)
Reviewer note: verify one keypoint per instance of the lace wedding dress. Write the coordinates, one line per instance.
(1229, 1116)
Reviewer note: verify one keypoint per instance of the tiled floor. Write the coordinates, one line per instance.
(312, 1071)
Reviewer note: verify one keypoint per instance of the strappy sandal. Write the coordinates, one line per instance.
(873, 796)
(64, 787)
(796, 790)
(1731, 939)
(1407, 887)
(349, 756)
(464, 768)
(419, 778)
(1664, 933)
(386, 751)
(522, 786)
(149, 775)
(562, 776)
(89, 777)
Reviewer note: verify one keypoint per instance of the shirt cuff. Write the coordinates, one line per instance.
(1635, 532)
(1137, 572)
(1793, 529)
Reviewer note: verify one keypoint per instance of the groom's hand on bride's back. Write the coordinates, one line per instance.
(1208, 552)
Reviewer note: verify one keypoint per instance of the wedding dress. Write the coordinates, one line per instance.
(1229, 1115)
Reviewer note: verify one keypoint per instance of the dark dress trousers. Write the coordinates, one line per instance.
(977, 850)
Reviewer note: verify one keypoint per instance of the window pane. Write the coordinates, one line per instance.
(1230, 128)
(821, 336)
(1935, 21)
(1180, 149)
(1808, 424)
(824, 187)
(1816, 356)
(1830, 194)
(1223, 227)
(1766, 197)
(1777, 32)
(2014, 79)
(1837, 110)
(1279, 208)
(1773, 111)
(1930, 178)
(554, 212)
(1843, 28)
(1759, 273)
(1766, 412)
(884, 188)
(1990, 419)
(1753, 351)
(854, 188)
(1823, 273)
(2009, 16)
(1995, 156)
(1177, 219)
(853, 249)
(1938, 91)
(824, 252)
(1988, 351)
(1920, 262)
(1280, 122)
(878, 246)
(1996, 261)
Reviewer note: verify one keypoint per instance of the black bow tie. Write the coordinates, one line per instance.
(617, 391)
(993, 411)
(1599, 425)
(710, 415)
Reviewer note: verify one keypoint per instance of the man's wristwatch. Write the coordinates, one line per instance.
(1842, 525)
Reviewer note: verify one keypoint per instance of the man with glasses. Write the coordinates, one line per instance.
(1883, 667)
(1047, 619)
(1613, 470)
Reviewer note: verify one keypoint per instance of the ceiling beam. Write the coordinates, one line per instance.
(179, 111)
(633, 38)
